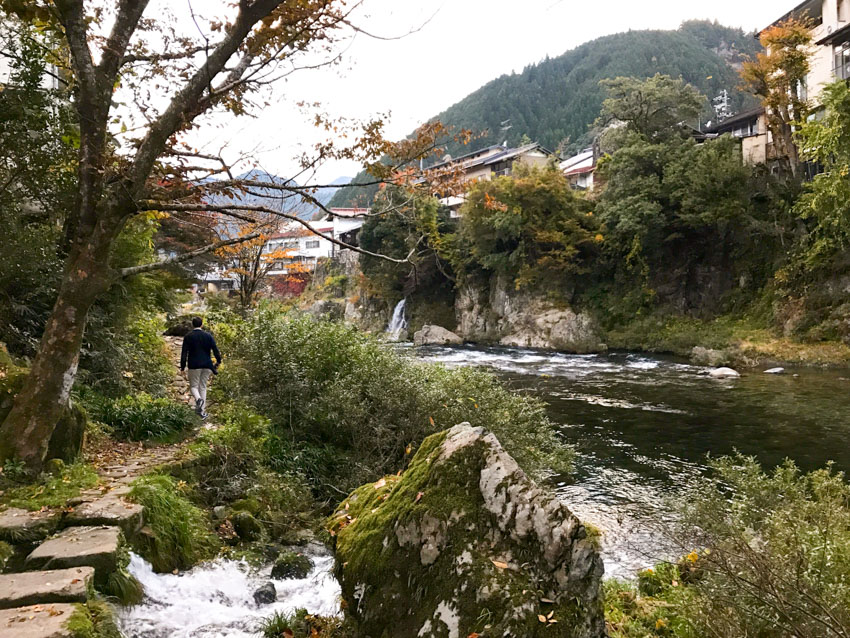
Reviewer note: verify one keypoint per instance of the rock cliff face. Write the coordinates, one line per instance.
(495, 313)
(462, 531)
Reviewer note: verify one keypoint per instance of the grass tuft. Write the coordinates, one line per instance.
(177, 534)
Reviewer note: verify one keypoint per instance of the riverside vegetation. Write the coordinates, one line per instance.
(680, 245)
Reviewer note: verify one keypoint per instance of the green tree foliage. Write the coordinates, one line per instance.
(405, 222)
(677, 212)
(652, 108)
(826, 201)
(530, 226)
(560, 98)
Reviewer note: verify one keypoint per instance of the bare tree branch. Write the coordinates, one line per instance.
(178, 259)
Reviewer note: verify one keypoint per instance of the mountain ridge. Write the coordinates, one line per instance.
(556, 101)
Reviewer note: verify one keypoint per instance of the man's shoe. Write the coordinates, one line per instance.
(199, 406)
(204, 416)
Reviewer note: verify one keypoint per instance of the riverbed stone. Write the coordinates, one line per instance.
(111, 509)
(38, 588)
(265, 595)
(291, 565)
(96, 547)
(461, 530)
(711, 358)
(435, 336)
(775, 371)
(432, 335)
(37, 621)
(724, 373)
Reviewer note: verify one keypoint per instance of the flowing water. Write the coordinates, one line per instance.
(398, 323)
(643, 427)
(215, 600)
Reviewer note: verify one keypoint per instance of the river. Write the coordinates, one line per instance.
(643, 427)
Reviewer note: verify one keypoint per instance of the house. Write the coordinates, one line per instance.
(579, 169)
(347, 223)
(830, 58)
(303, 247)
(487, 164)
(751, 128)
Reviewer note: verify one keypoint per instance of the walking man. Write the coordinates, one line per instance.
(198, 346)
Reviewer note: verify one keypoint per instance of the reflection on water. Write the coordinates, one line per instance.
(215, 600)
(643, 427)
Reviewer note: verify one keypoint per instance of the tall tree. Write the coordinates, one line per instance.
(122, 61)
(778, 78)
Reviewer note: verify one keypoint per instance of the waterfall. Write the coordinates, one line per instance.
(398, 324)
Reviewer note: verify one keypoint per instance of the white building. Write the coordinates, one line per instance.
(579, 170)
(302, 246)
(830, 58)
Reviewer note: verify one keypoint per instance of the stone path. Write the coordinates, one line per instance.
(61, 567)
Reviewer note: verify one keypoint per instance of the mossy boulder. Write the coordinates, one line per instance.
(465, 543)
(291, 565)
(246, 526)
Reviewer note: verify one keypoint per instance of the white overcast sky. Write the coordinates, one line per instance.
(462, 45)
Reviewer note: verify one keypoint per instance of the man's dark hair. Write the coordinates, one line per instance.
(197, 322)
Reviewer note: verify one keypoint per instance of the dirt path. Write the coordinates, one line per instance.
(119, 462)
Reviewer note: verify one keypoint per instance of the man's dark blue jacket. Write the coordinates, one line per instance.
(197, 346)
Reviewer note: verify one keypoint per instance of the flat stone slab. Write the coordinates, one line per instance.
(22, 526)
(36, 621)
(107, 510)
(79, 547)
(39, 588)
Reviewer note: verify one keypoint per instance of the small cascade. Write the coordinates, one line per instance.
(216, 599)
(398, 324)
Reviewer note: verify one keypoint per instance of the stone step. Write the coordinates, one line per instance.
(39, 588)
(111, 509)
(37, 621)
(21, 526)
(78, 547)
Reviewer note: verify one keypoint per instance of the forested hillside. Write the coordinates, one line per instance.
(558, 99)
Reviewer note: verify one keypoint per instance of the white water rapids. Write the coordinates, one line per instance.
(215, 600)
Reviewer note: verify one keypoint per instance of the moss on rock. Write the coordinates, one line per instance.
(291, 565)
(464, 542)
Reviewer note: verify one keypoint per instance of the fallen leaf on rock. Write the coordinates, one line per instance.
(380, 484)
(418, 497)
(499, 564)
(541, 618)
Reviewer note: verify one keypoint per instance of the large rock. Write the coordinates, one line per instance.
(710, 358)
(461, 531)
(724, 373)
(39, 588)
(435, 336)
(96, 547)
(331, 310)
(496, 313)
(37, 621)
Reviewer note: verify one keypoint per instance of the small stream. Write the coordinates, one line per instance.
(215, 600)
(643, 427)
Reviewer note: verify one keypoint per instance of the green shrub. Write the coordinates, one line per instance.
(179, 535)
(302, 625)
(347, 409)
(141, 417)
(778, 559)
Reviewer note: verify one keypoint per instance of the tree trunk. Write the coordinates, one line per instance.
(26, 432)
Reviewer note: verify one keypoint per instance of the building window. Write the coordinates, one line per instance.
(312, 244)
(842, 61)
